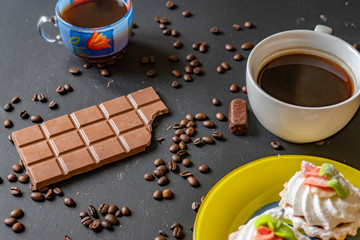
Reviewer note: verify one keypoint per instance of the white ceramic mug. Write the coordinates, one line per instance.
(297, 123)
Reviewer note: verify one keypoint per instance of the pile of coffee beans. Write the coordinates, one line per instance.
(13, 222)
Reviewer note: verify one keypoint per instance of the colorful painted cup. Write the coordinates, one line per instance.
(93, 44)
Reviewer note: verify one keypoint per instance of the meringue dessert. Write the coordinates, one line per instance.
(267, 226)
(321, 202)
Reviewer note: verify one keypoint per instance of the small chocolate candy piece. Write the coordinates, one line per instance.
(238, 120)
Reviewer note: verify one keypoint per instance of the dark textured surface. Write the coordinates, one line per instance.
(30, 65)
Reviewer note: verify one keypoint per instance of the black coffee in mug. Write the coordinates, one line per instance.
(305, 80)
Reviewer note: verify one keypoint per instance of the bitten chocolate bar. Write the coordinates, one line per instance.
(238, 119)
(87, 139)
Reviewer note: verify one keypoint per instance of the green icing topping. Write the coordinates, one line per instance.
(336, 182)
(277, 226)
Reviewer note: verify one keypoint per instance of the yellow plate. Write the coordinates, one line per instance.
(237, 196)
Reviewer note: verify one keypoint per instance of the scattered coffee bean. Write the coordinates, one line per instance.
(202, 198)
(229, 47)
(162, 168)
(160, 139)
(186, 162)
(23, 114)
(204, 168)
(220, 69)
(105, 72)
(32, 188)
(173, 166)
(177, 232)
(95, 225)
(12, 177)
(193, 181)
(247, 46)
(195, 63)
(177, 44)
(61, 90)
(17, 213)
(185, 138)
(248, 24)
(15, 191)
(164, 20)
(217, 135)
(17, 227)
(220, 116)
(236, 27)
(225, 65)
(190, 57)
(10, 138)
(86, 220)
(215, 30)
(49, 195)
(118, 212)
(189, 117)
(197, 141)
(195, 206)
(197, 70)
(208, 124)
(356, 45)
(275, 145)
(203, 47)
(111, 218)
(234, 87)
(8, 123)
(215, 101)
(34, 98)
(175, 158)
(152, 59)
(57, 191)
(175, 84)
(176, 73)
(17, 168)
(148, 177)
(175, 139)
(173, 58)
(41, 97)
(163, 181)
(208, 140)
(200, 116)
(178, 132)
(174, 148)
(37, 196)
(125, 211)
(187, 77)
(92, 211)
(238, 57)
(15, 99)
(44, 189)
(144, 60)
(183, 123)
(151, 73)
(10, 221)
(190, 124)
(68, 201)
(68, 87)
(36, 118)
(158, 162)
(174, 225)
(103, 208)
(166, 31)
(195, 46)
(106, 224)
(160, 238)
(87, 65)
(8, 107)
(170, 4)
(186, 13)
(244, 89)
(159, 173)
(23, 178)
(67, 238)
(112, 209)
(167, 193)
(185, 174)
(175, 33)
(74, 70)
(53, 105)
(190, 131)
(157, 195)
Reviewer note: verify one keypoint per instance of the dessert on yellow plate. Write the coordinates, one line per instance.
(267, 226)
(321, 202)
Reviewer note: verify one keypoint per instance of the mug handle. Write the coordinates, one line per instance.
(323, 29)
(41, 22)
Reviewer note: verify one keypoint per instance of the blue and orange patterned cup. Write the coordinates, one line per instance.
(93, 44)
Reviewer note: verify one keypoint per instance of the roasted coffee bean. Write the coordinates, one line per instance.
(34, 98)
(197, 141)
(17, 227)
(189, 117)
(118, 212)
(220, 116)
(356, 45)
(10, 221)
(74, 70)
(160, 238)
(189, 70)
(67, 238)
(238, 57)
(174, 148)
(157, 195)
(8, 123)
(49, 195)
(164, 20)
(17, 168)
(92, 211)
(68, 201)
(195, 63)
(204, 168)
(178, 132)
(175, 158)
(100, 65)
(167, 193)
(177, 44)
(152, 59)
(83, 214)
(68, 87)
(112, 209)
(10, 138)
(174, 225)
(234, 87)
(175, 139)
(41, 97)
(208, 124)
(15, 191)
(23, 114)
(162, 26)
(236, 27)
(17, 213)
(144, 60)
(166, 31)
(95, 225)
(203, 48)
(187, 78)
(195, 206)
(202, 198)
(53, 105)
(23, 178)
(181, 152)
(103, 208)
(106, 224)
(159, 173)
(217, 135)
(197, 70)
(37, 196)
(175, 33)
(186, 162)
(183, 123)
(200, 116)
(162, 168)
(105, 72)
(208, 140)
(190, 57)
(15, 99)
(43, 189)
(186, 13)
(36, 119)
(57, 191)
(177, 232)
(170, 4)
(195, 46)
(247, 46)
(173, 166)
(173, 58)
(176, 73)
(193, 181)
(163, 181)
(61, 90)
(229, 47)
(87, 65)
(185, 138)
(125, 211)
(175, 84)
(151, 73)
(215, 101)
(190, 124)
(220, 69)
(175, 126)
(32, 188)
(248, 24)
(158, 162)
(111, 218)
(12, 177)
(160, 139)
(215, 30)
(86, 220)
(275, 145)
(185, 174)
(225, 65)
(8, 107)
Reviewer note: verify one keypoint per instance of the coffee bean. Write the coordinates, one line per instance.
(175, 139)
(159, 173)
(177, 232)
(190, 131)
(247, 46)
(23, 178)
(225, 65)
(87, 65)
(215, 101)
(275, 145)
(57, 191)
(111, 218)
(112, 209)
(185, 138)
(106, 224)
(183, 123)
(174, 225)
(53, 105)
(61, 90)
(195, 63)
(193, 181)
(68, 87)
(195, 206)
(36, 119)
(208, 140)
(160, 139)
(167, 193)
(158, 162)
(229, 47)
(44, 189)
(175, 33)
(202, 198)
(34, 98)
(23, 114)
(195, 46)
(118, 212)
(37, 196)
(105, 72)
(173, 166)
(189, 70)
(86, 220)
(238, 57)
(164, 20)
(160, 238)
(10, 138)
(32, 188)
(197, 70)
(244, 89)
(185, 174)
(152, 59)
(182, 152)
(203, 48)
(83, 214)
(197, 141)
(15, 191)
(95, 225)
(200, 116)
(215, 30)
(248, 24)
(356, 45)
(176, 73)
(170, 4)
(220, 69)
(236, 27)
(208, 124)
(234, 87)
(41, 97)
(68, 201)
(187, 78)
(92, 211)
(217, 135)
(67, 238)
(12, 177)
(166, 31)
(74, 70)
(174, 148)
(178, 132)
(157, 195)
(190, 124)
(175, 84)
(17, 213)
(17, 227)
(177, 44)
(151, 73)
(103, 208)
(8, 107)
(186, 162)
(17, 168)
(204, 168)
(163, 181)
(220, 116)
(162, 168)
(175, 126)
(49, 195)
(15, 99)
(173, 58)
(144, 60)
(186, 13)
(175, 158)
(189, 117)
(125, 211)
(10, 221)
(8, 123)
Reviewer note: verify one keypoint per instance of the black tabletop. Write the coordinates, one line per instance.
(29, 65)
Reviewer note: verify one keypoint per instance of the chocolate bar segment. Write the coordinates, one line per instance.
(87, 139)
(238, 118)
